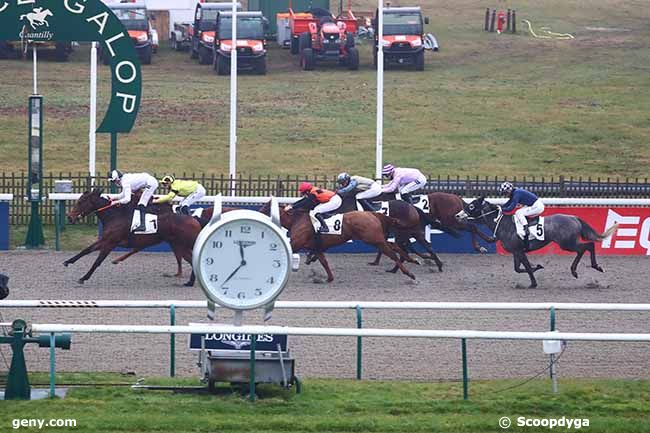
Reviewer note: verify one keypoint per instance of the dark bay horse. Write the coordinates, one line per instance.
(412, 223)
(180, 231)
(368, 227)
(564, 230)
(442, 208)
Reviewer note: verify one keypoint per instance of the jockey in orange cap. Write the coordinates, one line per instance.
(319, 201)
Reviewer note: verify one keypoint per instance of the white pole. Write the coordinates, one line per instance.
(93, 111)
(380, 90)
(233, 99)
(34, 61)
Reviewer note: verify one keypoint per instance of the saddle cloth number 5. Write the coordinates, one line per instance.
(536, 231)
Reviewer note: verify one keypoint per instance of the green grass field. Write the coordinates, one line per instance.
(340, 406)
(485, 105)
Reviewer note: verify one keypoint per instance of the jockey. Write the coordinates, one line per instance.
(531, 206)
(190, 189)
(132, 182)
(406, 180)
(364, 187)
(320, 199)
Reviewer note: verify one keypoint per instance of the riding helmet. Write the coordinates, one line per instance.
(388, 170)
(343, 179)
(115, 176)
(506, 188)
(167, 180)
(304, 187)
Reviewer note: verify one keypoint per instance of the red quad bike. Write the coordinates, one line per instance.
(403, 38)
(326, 39)
(251, 42)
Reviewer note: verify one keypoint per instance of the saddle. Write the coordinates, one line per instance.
(372, 206)
(532, 220)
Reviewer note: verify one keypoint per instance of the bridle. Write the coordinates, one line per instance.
(497, 220)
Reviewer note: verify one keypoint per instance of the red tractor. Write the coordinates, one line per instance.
(322, 37)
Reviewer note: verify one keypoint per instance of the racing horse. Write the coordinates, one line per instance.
(180, 231)
(368, 227)
(412, 222)
(443, 207)
(564, 230)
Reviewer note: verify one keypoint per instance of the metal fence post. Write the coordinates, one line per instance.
(172, 342)
(52, 366)
(251, 385)
(552, 355)
(463, 346)
(359, 344)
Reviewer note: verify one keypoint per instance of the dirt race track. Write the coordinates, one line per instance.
(41, 275)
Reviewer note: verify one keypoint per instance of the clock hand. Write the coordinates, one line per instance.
(241, 250)
(233, 273)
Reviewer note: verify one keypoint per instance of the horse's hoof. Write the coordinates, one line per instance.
(115, 262)
(533, 286)
(482, 250)
(66, 263)
(188, 284)
(81, 280)
(439, 268)
(373, 263)
(329, 280)
(411, 276)
(598, 268)
(575, 274)
(392, 271)
(167, 275)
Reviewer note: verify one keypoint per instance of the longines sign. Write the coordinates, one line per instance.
(82, 20)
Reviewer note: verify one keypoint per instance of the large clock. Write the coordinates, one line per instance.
(243, 260)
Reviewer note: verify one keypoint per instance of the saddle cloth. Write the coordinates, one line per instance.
(151, 223)
(334, 224)
(196, 213)
(536, 229)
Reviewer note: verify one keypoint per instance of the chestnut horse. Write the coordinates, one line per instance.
(180, 231)
(368, 227)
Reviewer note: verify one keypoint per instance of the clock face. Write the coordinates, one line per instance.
(244, 263)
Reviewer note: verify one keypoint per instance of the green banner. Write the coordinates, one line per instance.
(82, 20)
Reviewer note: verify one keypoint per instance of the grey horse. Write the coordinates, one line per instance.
(564, 230)
(4, 286)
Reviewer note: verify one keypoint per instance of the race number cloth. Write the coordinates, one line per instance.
(334, 224)
(151, 223)
(536, 231)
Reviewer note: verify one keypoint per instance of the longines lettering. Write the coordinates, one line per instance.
(263, 338)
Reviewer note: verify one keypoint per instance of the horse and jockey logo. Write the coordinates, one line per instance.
(37, 18)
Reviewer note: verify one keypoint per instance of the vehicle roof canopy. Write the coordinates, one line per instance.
(396, 10)
(218, 5)
(253, 14)
(127, 6)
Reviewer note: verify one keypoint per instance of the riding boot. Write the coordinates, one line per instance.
(526, 238)
(365, 204)
(185, 210)
(323, 224)
(407, 198)
(141, 227)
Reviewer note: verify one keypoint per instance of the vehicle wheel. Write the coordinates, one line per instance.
(260, 67)
(223, 66)
(295, 48)
(419, 61)
(304, 41)
(61, 51)
(349, 40)
(205, 56)
(146, 55)
(353, 59)
(307, 60)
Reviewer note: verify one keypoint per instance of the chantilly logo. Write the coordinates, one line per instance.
(37, 18)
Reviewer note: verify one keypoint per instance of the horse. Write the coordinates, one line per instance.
(443, 208)
(368, 227)
(412, 222)
(180, 231)
(4, 286)
(564, 230)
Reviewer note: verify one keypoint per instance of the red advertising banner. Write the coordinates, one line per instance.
(632, 237)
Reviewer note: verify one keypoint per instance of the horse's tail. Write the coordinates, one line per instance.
(588, 233)
(388, 222)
